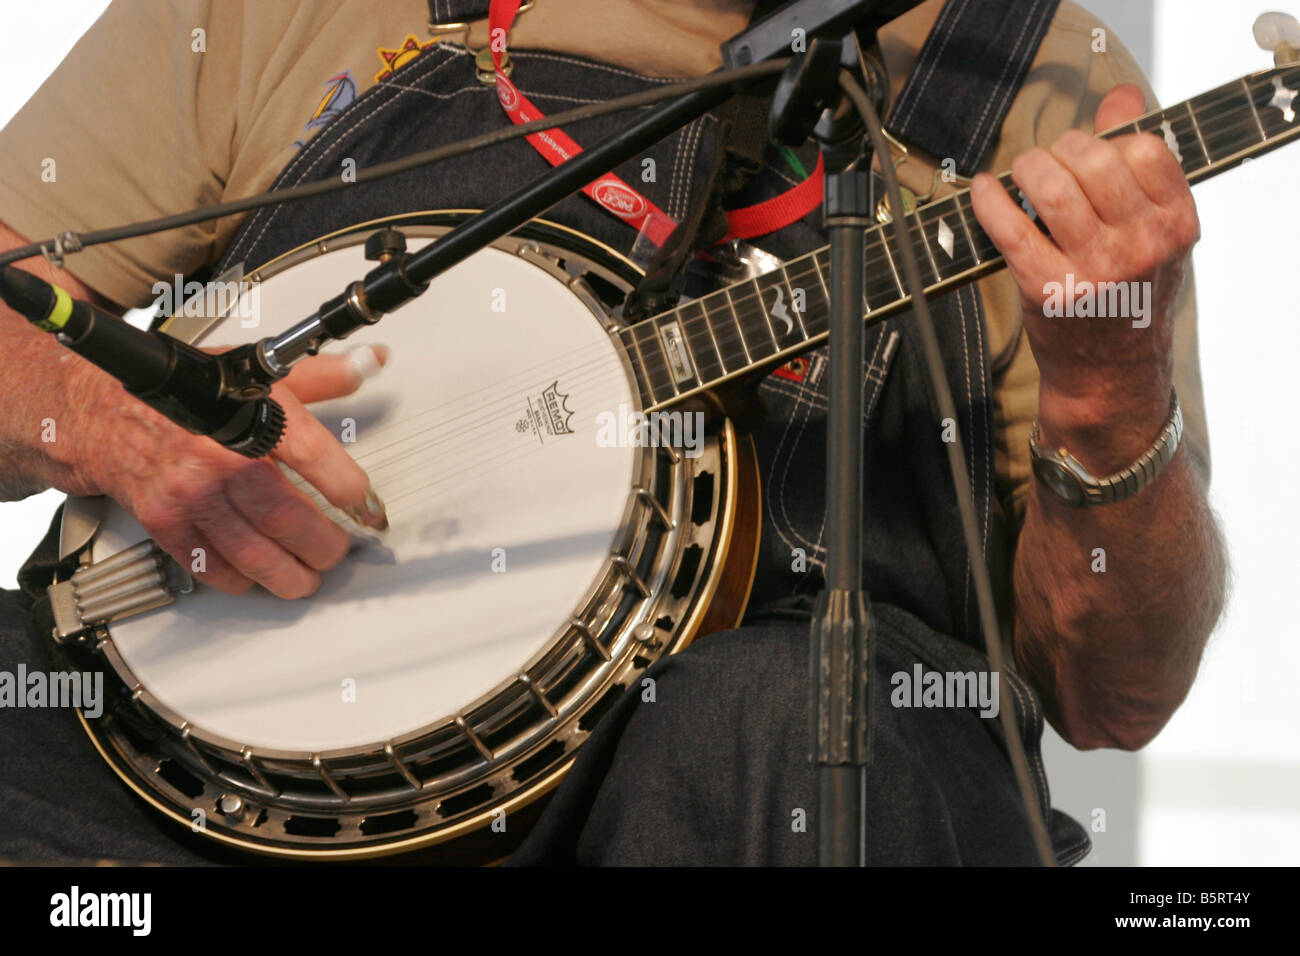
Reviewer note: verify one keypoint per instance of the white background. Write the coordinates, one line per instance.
(1221, 785)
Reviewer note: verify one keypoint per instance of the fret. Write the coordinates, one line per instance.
(1221, 111)
(929, 253)
(662, 355)
(879, 284)
(704, 347)
(817, 266)
(1128, 129)
(740, 329)
(889, 257)
(816, 315)
(644, 375)
(984, 247)
(767, 312)
(1277, 100)
(722, 323)
(797, 313)
(1259, 124)
(965, 228)
(1196, 127)
(752, 316)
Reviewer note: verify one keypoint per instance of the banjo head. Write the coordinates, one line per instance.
(444, 674)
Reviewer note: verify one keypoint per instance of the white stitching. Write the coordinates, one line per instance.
(807, 401)
(523, 55)
(677, 185)
(1041, 778)
(988, 437)
(924, 79)
(688, 174)
(965, 352)
(476, 88)
(335, 136)
(878, 374)
(1011, 59)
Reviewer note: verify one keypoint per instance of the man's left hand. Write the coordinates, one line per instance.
(1119, 211)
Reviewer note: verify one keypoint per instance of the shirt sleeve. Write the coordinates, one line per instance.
(135, 123)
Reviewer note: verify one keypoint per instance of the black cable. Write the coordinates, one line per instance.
(956, 462)
(74, 242)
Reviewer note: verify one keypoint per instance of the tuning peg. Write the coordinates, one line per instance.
(1280, 34)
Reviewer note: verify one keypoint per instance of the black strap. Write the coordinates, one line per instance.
(457, 11)
(738, 158)
(967, 74)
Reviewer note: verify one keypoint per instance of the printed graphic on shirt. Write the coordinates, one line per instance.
(340, 93)
(395, 59)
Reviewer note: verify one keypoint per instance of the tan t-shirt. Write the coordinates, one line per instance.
(169, 104)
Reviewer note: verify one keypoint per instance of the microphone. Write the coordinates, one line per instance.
(204, 394)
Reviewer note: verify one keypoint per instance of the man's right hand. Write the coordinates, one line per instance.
(252, 524)
(188, 492)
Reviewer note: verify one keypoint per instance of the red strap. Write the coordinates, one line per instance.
(612, 193)
(779, 211)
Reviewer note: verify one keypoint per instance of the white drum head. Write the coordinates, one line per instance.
(479, 435)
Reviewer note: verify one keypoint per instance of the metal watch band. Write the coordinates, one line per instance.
(1124, 483)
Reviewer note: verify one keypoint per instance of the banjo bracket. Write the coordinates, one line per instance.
(138, 579)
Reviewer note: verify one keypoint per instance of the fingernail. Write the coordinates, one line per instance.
(366, 360)
(376, 508)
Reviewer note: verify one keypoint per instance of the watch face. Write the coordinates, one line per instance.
(1059, 480)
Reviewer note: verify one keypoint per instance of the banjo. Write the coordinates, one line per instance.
(437, 687)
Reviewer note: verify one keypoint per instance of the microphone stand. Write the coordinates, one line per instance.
(841, 632)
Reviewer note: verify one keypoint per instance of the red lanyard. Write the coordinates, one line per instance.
(613, 194)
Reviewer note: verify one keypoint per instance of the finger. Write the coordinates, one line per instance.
(1030, 255)
(322, 377)
(1100, 169)
(1057, 198)
(262, 494)
(192, 550)
(252, 554)
(1121, 105)
(1155, 168)
(313, 452)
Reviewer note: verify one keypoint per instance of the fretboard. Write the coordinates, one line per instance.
(761, 322)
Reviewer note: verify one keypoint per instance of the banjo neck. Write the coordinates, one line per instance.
(758, 323)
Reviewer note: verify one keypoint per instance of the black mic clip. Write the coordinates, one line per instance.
(225, 397)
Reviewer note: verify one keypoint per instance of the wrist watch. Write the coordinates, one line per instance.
(1066, 477)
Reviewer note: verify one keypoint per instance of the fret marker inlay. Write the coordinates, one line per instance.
(945, 237)
(1172, 141)
(780, 313)
(1283, 99)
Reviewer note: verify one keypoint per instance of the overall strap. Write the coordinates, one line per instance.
(967, 74)
(953, 105)
(457, 11)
